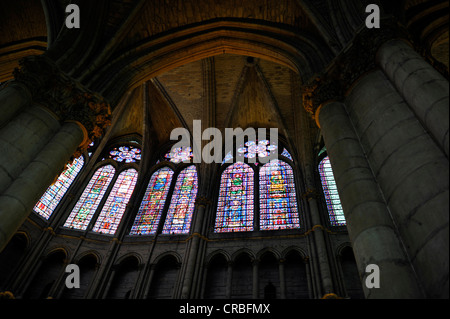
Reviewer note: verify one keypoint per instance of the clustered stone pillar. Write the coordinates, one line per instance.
(319, 240)
(411, 171)
(369, 223)
(424, 89)
(14, 97)
(201, 203)
(49, 119)
(22, 139)
(19, 199)
(388, 144)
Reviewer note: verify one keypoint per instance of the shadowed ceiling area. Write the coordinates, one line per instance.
(255, 94)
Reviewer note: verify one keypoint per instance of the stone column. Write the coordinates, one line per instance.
(22, 139)
(424, 89)
(281, 263)
(110, 279)
(34, 78)
(411, 172)
(370, 226)
(14, 97)
(229, 280)
(201, 203)
(319, 236)
(320, 245)
(255, 264)
(21, 196)
(148, 284)
(31, 155)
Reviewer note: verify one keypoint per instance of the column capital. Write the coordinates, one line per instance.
(255, 262)
(69, 100)
(311, 193)
(202, 201)
(358, 59)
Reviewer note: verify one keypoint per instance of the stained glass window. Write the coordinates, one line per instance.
(152, 204)
(116, 203)
(287, 154)
(55, 192)
(91, 149)
(332, 199)
(236, 199)
(180, 154)
(126, 154)
(92, 195)
(278, 202)
(179, 216)
(251, 149)
(227, 158)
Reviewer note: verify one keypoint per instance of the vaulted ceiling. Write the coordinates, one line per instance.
(247, 92)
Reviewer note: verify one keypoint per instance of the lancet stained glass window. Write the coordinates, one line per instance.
(278, 202)
(227, 158)
(92, 195)
(51, 198)
(152, 204)
(116, 203)
(332, 199)
(287, 154)
(236, 199)
(179, 215)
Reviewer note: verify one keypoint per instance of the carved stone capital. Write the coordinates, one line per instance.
(66, 98)
(322, 89)
(37, 73)
(202, 201)
(311, 193)
(358, 59)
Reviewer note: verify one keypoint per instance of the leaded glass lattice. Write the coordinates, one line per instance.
(332, 199)
(287, 154)
(262, 148)
(236, 199)
(126, 154)
(51, 198)
(179, 215)
(116, 203)
(278, 202)
(180, 154)
(92, 195)
(152, 204)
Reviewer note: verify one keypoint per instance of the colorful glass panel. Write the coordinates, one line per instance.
(179, 216)
(152, 204)
(236, 199)
(91, 149)
(92, 195)
(51, 198)
(116, 203)
(227, 158)
(253, 149)
(335, 211)
(180, 154)
(126, 154)
(278, 202)
(287, 154)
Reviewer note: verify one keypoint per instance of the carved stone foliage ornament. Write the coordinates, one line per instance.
(65, 97)
(358, 59)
